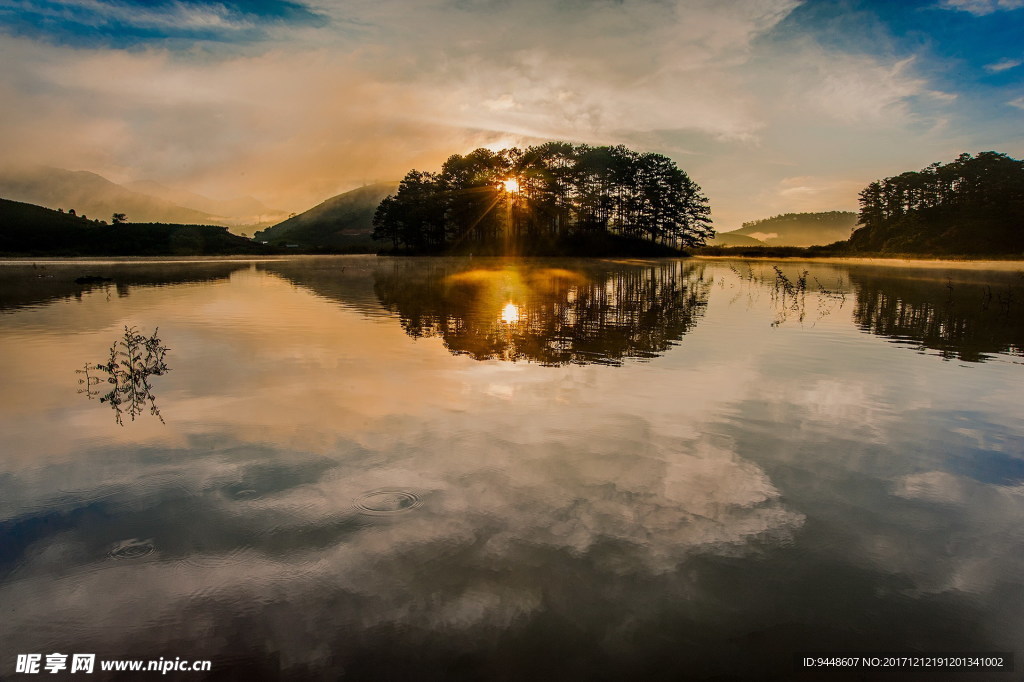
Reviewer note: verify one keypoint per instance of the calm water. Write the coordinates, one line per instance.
(367, 468)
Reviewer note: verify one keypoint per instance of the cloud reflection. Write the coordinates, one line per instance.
(580, 512)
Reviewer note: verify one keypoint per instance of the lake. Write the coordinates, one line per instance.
(396, 468)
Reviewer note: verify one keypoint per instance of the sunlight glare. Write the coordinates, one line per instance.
(510, 313)
(510, 185)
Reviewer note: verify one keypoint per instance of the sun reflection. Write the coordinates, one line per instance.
(510, 185)
(510, 313)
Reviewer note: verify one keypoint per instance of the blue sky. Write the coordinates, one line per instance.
(135, 23)
(771, 105)
(971, 47)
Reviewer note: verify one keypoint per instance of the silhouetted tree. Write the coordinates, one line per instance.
(970, 205)
(118, 218)
(547, 192)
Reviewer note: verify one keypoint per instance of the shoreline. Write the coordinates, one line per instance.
(97, 260)
(1007, 265)
(959, 263)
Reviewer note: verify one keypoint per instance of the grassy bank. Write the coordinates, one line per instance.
(838, 251)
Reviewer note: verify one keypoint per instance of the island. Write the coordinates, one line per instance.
(555, 199)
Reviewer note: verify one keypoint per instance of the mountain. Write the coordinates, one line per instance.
(733, 239)
(26, 229)
(801, 229)
(342, 221)
(93, 195)
(237, 211)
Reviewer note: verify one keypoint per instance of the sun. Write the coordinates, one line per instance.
(510, 185)
(510, 313)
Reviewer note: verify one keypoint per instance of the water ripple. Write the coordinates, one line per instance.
(386, 502)
(131, 549)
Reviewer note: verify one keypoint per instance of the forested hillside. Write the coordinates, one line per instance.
(801, 229)
(29, 230)
(342, 222)
(973, 205)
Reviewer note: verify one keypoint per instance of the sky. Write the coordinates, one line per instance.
(771, 106)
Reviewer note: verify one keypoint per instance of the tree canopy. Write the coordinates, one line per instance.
(824, 218)
(546, 193)
(974, 204)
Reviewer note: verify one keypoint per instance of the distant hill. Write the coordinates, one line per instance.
(342, 221)
(733, 239)
(237, 211)
(800, 229)
(93, 195)
(28, 230)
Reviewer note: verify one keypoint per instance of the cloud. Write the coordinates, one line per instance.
(865, 90)
(117, 23)
(807, 193)
(318, 110)
(569, 71)
(1018, 102)
(1003, 65)
(171, 15)
(810, 186)
(981, 7)
(306, 110)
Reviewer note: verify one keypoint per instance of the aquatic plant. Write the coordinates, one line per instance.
(132, 360)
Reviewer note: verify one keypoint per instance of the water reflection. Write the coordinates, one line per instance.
(29, 284)
(962, 315)
(348, 281)
(133, 359)
(335, 501)
(792, 289)
(553, 314)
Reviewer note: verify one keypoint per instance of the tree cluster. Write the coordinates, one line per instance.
(974, 204)
(34, 230)
(546, 193)
(823, 218)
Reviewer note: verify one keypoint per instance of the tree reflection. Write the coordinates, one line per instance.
(543, 313)
(31, 284)
(963, 318)
(133, 359)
